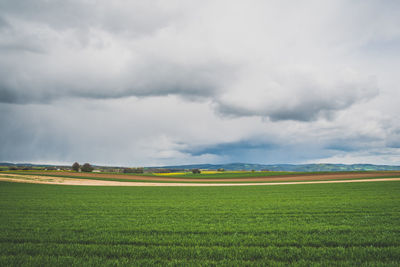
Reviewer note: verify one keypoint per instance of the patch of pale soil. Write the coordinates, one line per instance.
(289, 178)
(72, 181)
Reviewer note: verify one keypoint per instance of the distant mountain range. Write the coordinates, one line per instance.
(289, 167)
(257, 167)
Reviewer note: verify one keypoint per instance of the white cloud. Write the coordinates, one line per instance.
(171, 78)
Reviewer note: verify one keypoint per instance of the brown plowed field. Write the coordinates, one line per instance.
(89, 182)
(287, 178)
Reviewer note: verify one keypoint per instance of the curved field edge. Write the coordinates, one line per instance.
(331, 224)
(91, 182)
(166, 180)
(222, 175)
(227, 174)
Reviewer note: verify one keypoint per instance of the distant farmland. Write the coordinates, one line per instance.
(207, 177)
(327, 224)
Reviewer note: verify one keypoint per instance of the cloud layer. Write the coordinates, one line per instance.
(276, 66)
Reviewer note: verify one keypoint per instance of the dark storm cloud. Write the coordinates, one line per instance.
(297, 99)
(353, 143)
(3, 23)
(117, 16)
(49, 51)
(67, 49)
(152, 79)
(393, 140)
(26, 136)
(304, 110)
(233, 148)
(297, 113)
(258, 151)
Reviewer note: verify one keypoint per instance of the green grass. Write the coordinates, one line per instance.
(329, 224)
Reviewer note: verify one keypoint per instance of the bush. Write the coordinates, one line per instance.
(196, 171)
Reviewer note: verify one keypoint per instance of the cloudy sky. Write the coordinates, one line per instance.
(140, 83)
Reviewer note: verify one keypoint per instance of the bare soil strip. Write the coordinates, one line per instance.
(275, 178)
(73, 181)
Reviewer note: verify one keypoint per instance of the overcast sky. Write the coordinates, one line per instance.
(142, 83)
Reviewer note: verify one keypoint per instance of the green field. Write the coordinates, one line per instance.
(219, 175)
(329, 224)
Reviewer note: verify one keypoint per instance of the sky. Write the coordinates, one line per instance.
(152, 83)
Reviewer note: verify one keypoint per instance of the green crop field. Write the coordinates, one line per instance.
(328, 224)
(203, 175)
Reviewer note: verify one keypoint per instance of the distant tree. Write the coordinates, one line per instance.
(139, 170)
(76, 166)
(221, 170)
(127, 170)
(196, 171)
(13, 168)
(87, 167)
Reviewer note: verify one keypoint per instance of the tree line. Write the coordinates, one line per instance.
(84, 168)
